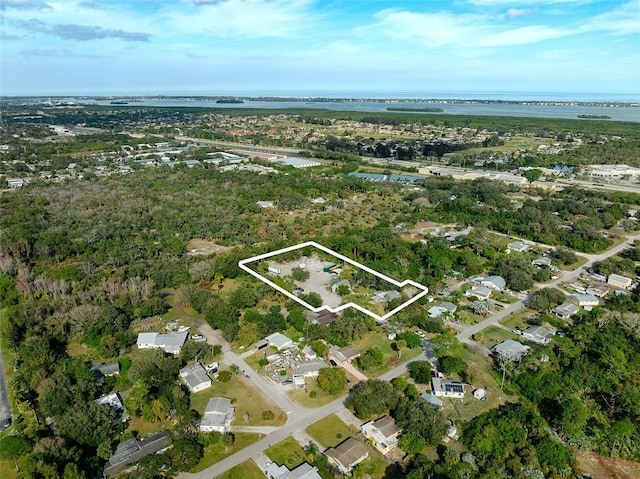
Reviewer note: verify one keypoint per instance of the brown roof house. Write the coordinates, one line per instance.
(383, 433)
(347, 455)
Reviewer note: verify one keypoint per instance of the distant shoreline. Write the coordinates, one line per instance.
(220, 99)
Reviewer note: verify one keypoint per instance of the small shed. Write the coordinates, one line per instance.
(480, 394)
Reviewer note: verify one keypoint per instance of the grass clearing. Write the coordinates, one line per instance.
(145, 428)
(216, 452)
(378, 339)
(287, 452)
(480, 372)
(519, 319)
(375, 466)
(8, 469)
(330, 431)
(303, 397)
(494, 335)
(248, 401)
(246, 470)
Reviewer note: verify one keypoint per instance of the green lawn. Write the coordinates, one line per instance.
(329, 431)
(481, 376)
(375, 466)
(302, 395)
(378, 339)
(216, 452)
(518, 319)
(287, 452)
(248, 401)
(494, 335)
(246, 470)
(8, 469)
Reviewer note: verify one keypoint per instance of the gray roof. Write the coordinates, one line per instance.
(279, 340)
(498, 281)
(308, 367)
(303, 471)
(480, 290)
(584, 298)
(511, 349)
(194, 375)
(538, 333)
(566, 309)
(131, 451)
(105, 369)
(217, 413)
(431, 399)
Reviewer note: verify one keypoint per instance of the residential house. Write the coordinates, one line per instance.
(265, 204)
(538, 334)
(443, 309)
(343, 355)
(584, 300)
(169, 342)
(217, 415)
(380, 296)
(15, 182)
(102, 370)
(481, 292)
(542, 262)
(279, 341)
(323, 317)
(129, 452)
(382, 432)
(496, 283)
(347, 455)
(195, 377)
(619, 281)
(308, 369)
(446, 388)
(431, 399)
(565, 310)
(303, 471)
(518, 247)
(510, 350)
(113, 400)
(598, 290)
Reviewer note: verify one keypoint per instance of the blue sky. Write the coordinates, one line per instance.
(68, 47)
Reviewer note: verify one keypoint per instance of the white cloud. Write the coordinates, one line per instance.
(623, 20)
(466, 31)
(519, 12)
(243, 18)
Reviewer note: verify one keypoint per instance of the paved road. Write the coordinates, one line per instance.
(298, 421)
(465, 336)
(299, 418)
(5, 404)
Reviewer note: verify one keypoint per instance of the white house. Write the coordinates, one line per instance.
(169, 342)
(510, 349)
(565, 310)
(308, 368)
(195, 377)
(584, 300)
(217, 415)
(518, 247)
(443, 309)
(619, 281)
(382, 432)
(542, 262)
(481, 292)
(279, 341)
(538, 334)
(265, 204)
(303, 471)
(494, 282)
(446, 388)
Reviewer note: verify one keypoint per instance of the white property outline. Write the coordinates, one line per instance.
(243, 265)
